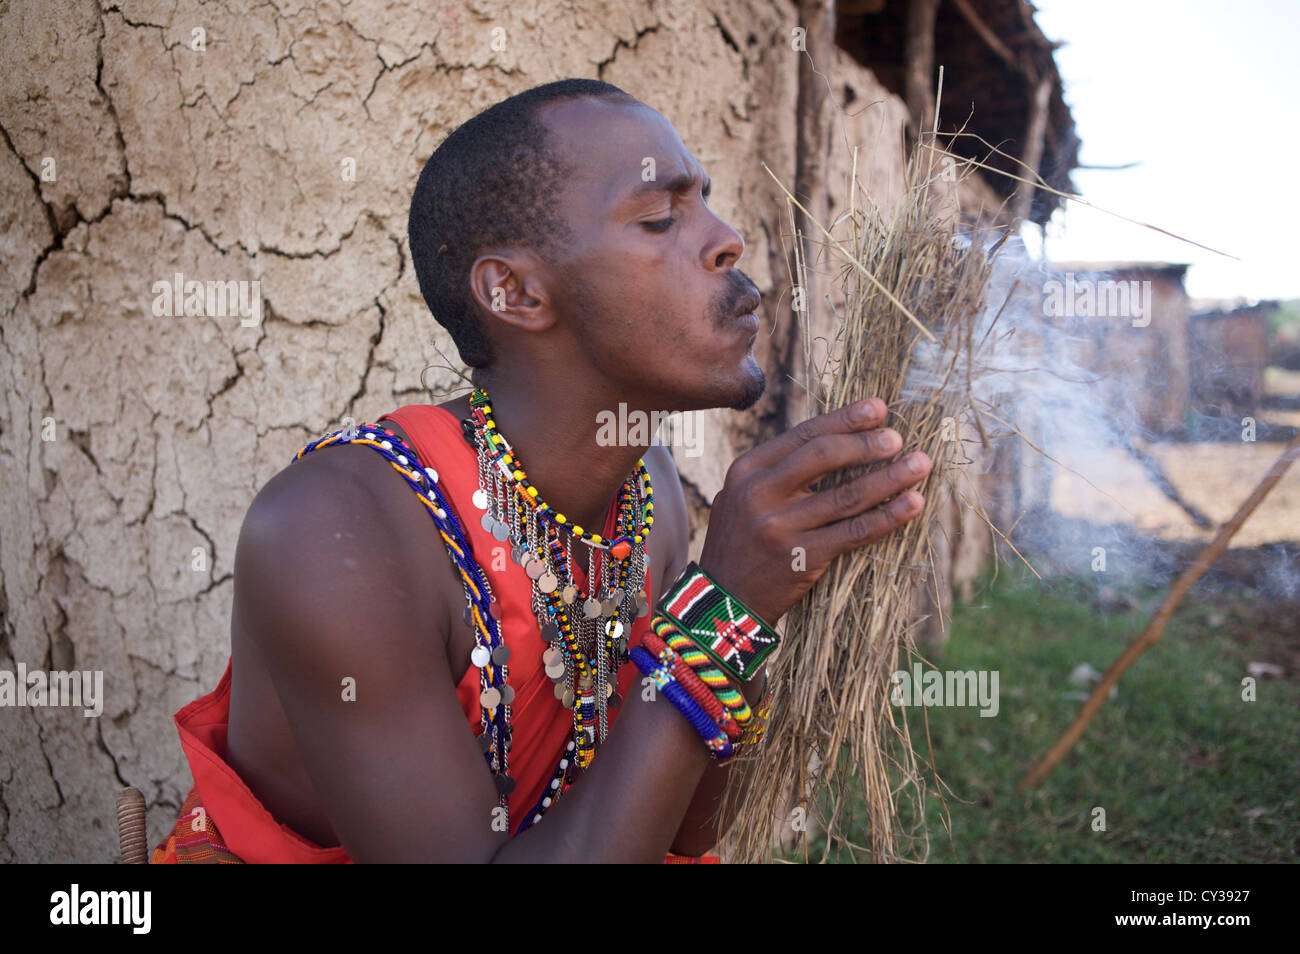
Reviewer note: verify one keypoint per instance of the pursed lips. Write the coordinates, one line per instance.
(747, 310)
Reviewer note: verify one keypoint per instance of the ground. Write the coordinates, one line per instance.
(1184, 769)
(1214, 477)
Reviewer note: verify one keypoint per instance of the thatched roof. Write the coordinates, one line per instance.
(993, 54)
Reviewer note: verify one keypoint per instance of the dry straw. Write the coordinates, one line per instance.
(916, 331)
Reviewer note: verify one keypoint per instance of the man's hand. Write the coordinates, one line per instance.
(766, 507)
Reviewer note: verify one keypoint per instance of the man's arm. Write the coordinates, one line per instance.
(335, 572)
(701, 828)
(335, 588)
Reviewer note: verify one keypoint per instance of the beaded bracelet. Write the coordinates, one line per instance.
(703, 667)
(691, 683)
(722, 626)
(754, 731)
(753, 725)
(719, 745)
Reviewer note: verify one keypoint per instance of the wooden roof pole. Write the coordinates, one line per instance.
(986, 33)
(813, 113)
(1032, 157)
(918, 75)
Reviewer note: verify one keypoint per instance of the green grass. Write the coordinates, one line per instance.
(1286, 318)
(1185, 770)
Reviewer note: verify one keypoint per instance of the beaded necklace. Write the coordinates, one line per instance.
(534, 528)
(583, 650)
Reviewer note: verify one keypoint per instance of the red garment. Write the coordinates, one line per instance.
(247, 829)
(542, 727)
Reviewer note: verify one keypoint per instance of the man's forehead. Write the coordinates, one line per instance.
(606, 144)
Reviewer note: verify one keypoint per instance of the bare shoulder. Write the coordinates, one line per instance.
(332, 491)
(339, 572)
(339, 520)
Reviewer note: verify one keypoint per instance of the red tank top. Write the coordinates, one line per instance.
(541, 726)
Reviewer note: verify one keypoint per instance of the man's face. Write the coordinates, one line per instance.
(650, 286)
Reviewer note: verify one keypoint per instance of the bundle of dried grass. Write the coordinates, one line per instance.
(916, 332)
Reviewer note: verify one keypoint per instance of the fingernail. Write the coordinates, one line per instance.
(915, 464)
(861, 411)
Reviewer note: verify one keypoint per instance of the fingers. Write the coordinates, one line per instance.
(828, 453)
(866, 527)
(853, 497)
(859, 416)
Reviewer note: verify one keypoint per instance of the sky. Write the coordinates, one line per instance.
(1204, 95)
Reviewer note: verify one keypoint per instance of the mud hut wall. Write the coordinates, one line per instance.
(276, 144)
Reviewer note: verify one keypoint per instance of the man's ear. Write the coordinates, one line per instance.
(509, 286)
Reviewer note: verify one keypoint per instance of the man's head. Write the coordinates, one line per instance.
(565, 231)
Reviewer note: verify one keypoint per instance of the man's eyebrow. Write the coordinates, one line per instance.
(678, 185)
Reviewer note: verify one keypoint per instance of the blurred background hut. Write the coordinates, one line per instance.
(1229, 353)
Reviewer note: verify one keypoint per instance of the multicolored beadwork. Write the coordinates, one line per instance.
(736, 710)
(736, 638)
(703, 667)
(692, 684)
(586, 648)
(501, 453)
(719, 745)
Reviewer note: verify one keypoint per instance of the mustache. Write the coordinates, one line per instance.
(740, 287)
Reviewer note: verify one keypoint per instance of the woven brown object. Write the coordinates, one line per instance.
(131, 826)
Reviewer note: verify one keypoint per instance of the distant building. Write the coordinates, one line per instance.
(1130, 324)
(1229, 352)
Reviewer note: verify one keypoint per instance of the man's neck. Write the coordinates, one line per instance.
(556, 440)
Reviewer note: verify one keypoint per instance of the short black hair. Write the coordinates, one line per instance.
(492, 181)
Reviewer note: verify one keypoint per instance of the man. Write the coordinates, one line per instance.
(564, 239)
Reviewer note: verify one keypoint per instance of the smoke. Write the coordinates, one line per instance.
(1081, 382)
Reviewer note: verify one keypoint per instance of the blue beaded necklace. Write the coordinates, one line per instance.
(482, 612)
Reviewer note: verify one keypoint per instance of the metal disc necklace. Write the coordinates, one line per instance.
(584, 628)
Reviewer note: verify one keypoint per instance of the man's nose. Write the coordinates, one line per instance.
(725, 248)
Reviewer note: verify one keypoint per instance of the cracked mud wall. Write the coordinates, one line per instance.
(131, 445)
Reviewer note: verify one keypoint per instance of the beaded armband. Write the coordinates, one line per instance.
(720, 747)
(680, 656)
(718, 623)
(697, 690)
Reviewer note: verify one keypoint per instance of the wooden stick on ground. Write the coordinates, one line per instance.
(1156, 627)
(1156, 472)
